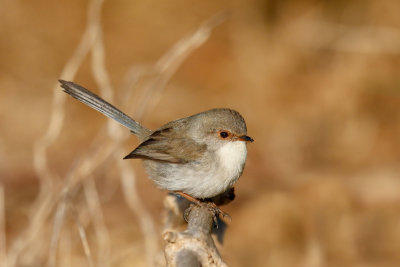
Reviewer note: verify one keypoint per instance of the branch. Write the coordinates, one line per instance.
(195, 245)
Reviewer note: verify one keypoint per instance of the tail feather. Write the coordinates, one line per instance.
(92, 100)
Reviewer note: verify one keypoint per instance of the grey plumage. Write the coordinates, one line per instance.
(85, 96)
(202, 155)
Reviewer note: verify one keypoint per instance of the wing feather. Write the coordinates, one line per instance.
(165, 145)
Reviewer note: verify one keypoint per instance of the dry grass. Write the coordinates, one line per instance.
(317, 82)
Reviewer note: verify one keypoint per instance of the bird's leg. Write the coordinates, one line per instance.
(208, 204)
(189, 197)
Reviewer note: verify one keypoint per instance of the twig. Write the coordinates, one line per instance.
(32, 231)
(85, 243)
(97, 217)
(169, 63)
(57, 225)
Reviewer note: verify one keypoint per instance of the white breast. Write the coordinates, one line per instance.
(201, 180)
(232, 157)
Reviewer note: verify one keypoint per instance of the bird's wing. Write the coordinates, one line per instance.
(165, 145)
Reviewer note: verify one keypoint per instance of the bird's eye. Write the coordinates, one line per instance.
(224, 134)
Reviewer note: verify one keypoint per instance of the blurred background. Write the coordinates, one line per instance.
(318, 83)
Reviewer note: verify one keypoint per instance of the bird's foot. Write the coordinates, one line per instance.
(211, 206)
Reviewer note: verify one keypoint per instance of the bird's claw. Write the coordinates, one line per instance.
(217, 212)
(212, 207)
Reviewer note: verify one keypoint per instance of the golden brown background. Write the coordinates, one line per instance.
(317, 81)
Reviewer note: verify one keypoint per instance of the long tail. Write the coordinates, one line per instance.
(92, 100)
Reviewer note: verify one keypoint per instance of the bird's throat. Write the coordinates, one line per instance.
(232, 157)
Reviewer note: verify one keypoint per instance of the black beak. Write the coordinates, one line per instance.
(246, 138)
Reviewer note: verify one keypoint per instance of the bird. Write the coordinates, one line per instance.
(197, 157)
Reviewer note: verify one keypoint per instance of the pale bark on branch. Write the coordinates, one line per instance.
(193, 246)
